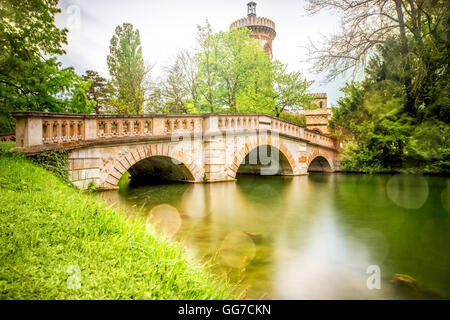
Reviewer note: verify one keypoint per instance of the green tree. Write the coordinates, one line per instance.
(207, 66)
(235, 75)
(155, 101)
(420, 30)
(294, 118)
(189, 65)
(397, 117)
(27, 32)
(243, 69)
(290, 91)
(30, 76)
(173, 90)
(80, 103)
(126, 67)
(99, 92)
(379, 128)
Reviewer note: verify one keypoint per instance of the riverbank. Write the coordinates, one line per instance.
(59, 243)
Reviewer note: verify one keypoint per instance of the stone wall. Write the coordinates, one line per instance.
(205, 148)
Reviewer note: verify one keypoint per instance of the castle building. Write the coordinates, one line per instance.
(263, 30)
(317, 119)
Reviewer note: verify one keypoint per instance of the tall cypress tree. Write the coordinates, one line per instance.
(126, 67)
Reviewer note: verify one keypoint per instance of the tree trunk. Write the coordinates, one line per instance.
(409, 105)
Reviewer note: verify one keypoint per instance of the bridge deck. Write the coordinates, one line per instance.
(205, 147)
(41, 131)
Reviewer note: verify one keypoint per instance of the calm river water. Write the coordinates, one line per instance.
(322, 236)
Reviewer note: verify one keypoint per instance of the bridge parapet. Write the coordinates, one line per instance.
(103, 147)
(53, 130)
(235, 122)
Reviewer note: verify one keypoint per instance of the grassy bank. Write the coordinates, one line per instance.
(47, 226)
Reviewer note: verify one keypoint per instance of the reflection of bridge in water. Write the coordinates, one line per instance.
(193, 148)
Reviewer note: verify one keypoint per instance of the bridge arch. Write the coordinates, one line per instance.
(241, 155)
(319, 163)
(140, 159)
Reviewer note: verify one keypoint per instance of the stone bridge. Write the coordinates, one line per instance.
(191, 148)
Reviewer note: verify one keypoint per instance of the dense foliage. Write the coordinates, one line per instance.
(294, 118)
(228, 72)
(30, 76)
(397, 118)
(126, 67)
(99, 91)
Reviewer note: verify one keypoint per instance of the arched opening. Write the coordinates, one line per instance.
(317, 131)
(158, 170)
(265, 160)
(319, 164)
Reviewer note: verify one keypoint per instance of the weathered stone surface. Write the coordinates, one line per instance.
(216, 149)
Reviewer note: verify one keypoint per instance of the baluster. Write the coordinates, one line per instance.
(146, 127)
(54, 131)
(72, 131)
(80, 133)
(108, 128)
(113, 128)
(119, 128)
(141, 127)
(167, 126)
(45, 131)
(65, 130)
(150, 127)
(135, 127)
(126, 128)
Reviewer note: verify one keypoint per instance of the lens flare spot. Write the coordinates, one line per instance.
(407, 191)
(165, 219)
(238, 249)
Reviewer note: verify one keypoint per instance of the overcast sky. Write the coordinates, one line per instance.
(168, 25)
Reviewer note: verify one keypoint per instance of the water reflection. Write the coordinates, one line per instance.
(445, 198)
(310, 237)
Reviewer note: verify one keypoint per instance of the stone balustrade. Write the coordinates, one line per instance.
(62, 130)
(41, 128)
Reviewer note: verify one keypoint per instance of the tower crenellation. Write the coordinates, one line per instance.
(263, 29)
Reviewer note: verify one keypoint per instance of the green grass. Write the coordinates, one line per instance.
(47, 226)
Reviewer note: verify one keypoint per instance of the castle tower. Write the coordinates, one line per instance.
(317, 119)
(263, 29)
